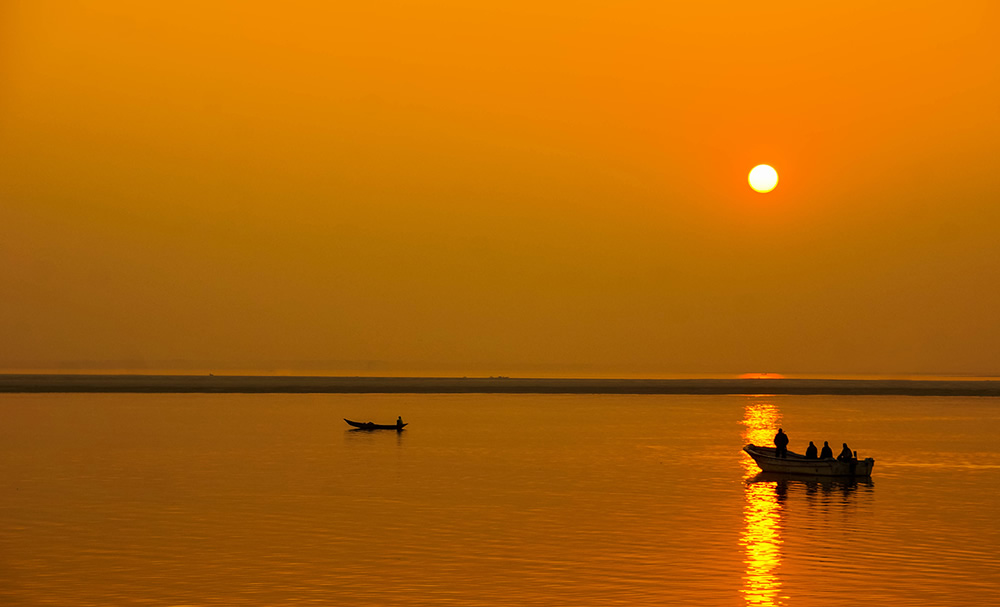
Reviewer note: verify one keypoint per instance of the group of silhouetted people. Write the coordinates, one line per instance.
(781, 449)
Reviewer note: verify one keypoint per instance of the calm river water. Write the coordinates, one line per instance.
(119, 499)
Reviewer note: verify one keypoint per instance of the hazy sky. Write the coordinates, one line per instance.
(501, 187)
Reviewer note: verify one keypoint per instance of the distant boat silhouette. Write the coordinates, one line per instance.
(371, 426)
(798, 464)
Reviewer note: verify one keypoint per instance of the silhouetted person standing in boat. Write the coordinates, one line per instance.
(846, 454)
(827, 452)
(811, 451)
(781, 444)
(399, 422)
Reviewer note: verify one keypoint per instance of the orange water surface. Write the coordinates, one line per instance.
(170, 499)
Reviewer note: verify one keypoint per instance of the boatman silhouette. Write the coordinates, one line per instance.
(846, 454)
(781, 443)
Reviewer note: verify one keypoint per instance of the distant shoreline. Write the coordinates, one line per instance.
(235, 384)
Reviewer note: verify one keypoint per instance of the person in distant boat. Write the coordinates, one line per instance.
(846, 454)
(781, 444)
(811, 451)
(399, 422)
(827, 452)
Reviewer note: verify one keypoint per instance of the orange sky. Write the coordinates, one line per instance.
(515, 187)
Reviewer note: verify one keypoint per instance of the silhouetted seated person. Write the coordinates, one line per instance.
(811, 451)
(846, 454)
(781, 444)
(399, 422)
(827, 452)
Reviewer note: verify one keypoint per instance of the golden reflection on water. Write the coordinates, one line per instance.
(761, 537)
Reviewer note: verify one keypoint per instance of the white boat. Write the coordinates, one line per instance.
(799, 464)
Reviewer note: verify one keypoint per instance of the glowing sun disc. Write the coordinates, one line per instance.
(763, 178)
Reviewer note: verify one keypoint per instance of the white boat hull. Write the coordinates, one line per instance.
(795, 463)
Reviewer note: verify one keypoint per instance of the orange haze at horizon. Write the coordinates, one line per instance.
(501, 185)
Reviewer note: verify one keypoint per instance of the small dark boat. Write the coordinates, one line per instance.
(371, 426)
(795, 463)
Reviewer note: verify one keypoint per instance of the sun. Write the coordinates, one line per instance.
(763, 178)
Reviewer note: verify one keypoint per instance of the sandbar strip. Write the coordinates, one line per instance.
(27, 383)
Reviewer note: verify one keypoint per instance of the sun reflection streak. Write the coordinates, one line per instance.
(761, 538)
